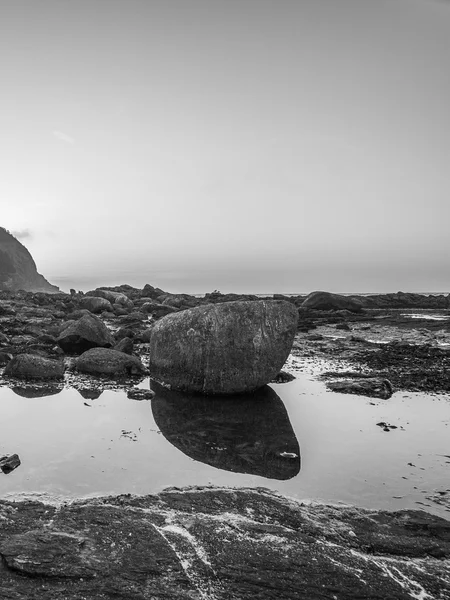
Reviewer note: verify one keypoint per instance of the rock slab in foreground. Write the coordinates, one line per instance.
(219, 544)
(223, 348)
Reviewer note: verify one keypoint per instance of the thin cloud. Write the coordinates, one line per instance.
(63, 137)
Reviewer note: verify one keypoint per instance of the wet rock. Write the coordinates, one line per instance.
(182, 301)
(125, 345)
(50, 553)
(146, 335)
(343, 326)
(372, 387)
(223, 348)
(4, 358)
(192, 543)
(95, 305)
(328, 301)
(283, 377)
(247, 433)
(117, 299)
(9, 463)
(314, 337)
(158, 310)
(140, 394)
(124, 332)
(31, 366)
(149, 291)
(88, 332)
(411, 366)
(216, 297)
(105, 361)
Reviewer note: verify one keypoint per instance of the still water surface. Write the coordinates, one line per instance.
(296, 438)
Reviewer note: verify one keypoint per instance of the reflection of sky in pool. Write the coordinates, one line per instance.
(73, 446)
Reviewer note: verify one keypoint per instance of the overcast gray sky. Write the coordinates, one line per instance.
(240, 145)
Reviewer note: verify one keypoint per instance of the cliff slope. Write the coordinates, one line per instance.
(17, 268)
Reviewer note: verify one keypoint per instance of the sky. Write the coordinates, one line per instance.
(255, 146)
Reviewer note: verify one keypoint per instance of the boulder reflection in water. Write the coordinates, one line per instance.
(249, 433)
(37, 391)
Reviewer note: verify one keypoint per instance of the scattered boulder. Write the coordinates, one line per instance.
(140, 394)
(31, 366)
(283, 377)
(373, 387)
(328, 301)
(125, 345)
(149, 291)
(158, 310)
(9, 463)
(4, 358)
(105, 361)
(146, 335)
(88, 332)
(115, 298)
(223, 348)
(95, 305)
(181, 301)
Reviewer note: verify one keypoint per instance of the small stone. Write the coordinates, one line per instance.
(140, 394)
(9, 463)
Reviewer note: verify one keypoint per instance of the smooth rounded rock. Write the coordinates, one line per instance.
(328, 301)
(31, 366)
(105, 361)
(226, 348)
(95, 305)
(88, 332)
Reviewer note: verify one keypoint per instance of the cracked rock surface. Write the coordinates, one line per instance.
(219, 543)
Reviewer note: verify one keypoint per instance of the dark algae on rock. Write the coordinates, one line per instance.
(219, 544)
(411, 367)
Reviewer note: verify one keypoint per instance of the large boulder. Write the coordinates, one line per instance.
(105, 361)
(224, 348)
(328, 301)
(31, 366)
(88, 332)
(95, 305)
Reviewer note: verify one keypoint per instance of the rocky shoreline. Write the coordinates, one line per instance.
(215, 543)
